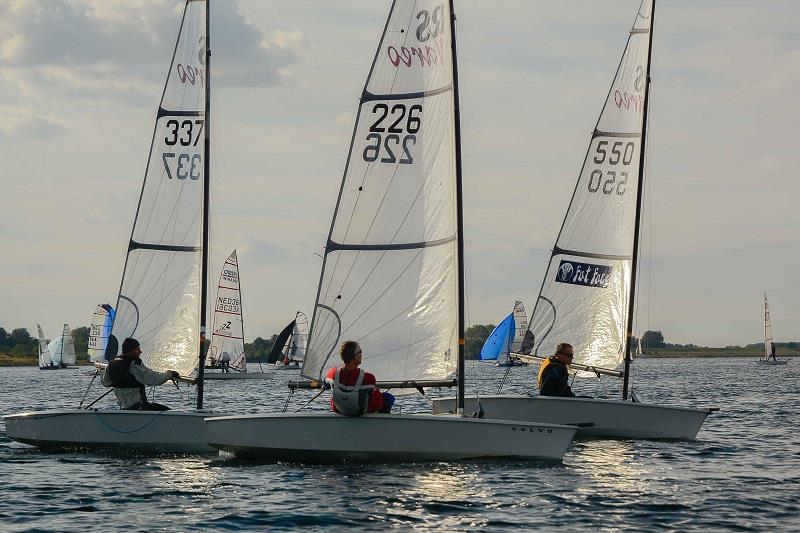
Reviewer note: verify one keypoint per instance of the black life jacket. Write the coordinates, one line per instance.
(119, 374)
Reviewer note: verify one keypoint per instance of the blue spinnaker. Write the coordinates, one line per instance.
(499, 340)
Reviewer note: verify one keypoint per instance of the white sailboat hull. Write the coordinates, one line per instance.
(611, 418)
(772, 361)
(235, 375)
(143, 431)
(329, 437)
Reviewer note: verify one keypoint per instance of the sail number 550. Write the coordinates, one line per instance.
(391, 141)
(611, 181)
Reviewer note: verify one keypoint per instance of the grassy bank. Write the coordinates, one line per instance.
(17, 360)
(716, 352)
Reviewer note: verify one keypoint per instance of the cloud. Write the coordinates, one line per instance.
(25, 122)
(110, 49)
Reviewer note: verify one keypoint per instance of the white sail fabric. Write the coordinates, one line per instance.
(296, 345)
(159, 302)
(520, 327)
(99, 331)
(62, 348)
(45, 358)
(584, 296)
(228, 336)
(389, 278)
(768, 340)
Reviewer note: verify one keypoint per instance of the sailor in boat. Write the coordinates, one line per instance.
(225, 362)
(772, 350)
(554, 372)
(128, 375)
(354, 390)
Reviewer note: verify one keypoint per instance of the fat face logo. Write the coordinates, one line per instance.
(584, 274)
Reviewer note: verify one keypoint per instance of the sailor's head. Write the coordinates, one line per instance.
(130, 348)
(565, 353)
(350, 351)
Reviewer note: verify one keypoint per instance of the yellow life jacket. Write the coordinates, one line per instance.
(543, 367)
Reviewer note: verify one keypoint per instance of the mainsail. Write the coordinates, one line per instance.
(584, 298)
(99, 331)
(296, 345)
(499, 340)
(62, 348)
(159, 298)
(228, 336)
(45, 358)
(390, 275)
(768, 340)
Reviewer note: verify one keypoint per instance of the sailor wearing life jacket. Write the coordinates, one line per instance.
(554, 372)
(354, 390)
(128, 376)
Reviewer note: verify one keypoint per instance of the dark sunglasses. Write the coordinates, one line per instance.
(570, 355)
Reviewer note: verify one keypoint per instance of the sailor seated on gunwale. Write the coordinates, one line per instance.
(354, 390)
(128, 375)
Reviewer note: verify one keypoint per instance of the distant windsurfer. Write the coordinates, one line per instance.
(355, 391)
(553, 377)
(129, 376)
(772, 351)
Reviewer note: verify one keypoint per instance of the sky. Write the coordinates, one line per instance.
(80, 82)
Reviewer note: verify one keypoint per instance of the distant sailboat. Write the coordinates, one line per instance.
(99, 332)
(290, 346)
(227, 338)
(62, 349)
(45, 359)
(768, 357)
(587, 295)
(507, 338)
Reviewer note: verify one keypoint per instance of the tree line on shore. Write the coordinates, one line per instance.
(20, 344)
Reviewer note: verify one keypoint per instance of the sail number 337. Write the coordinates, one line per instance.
(182, 133)
(392, 135)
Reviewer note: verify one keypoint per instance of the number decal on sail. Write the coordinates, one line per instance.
(386, 149)
(611, 181)
(181, 132)
(430, 24)
(185, 165)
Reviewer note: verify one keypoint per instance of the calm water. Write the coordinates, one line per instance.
(742, 474)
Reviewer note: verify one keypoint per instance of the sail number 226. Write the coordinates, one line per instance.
(619, 155)
(393, 134)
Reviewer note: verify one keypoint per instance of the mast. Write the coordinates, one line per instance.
(766, 320)
(459, 214)
(637, 222)
(206, 167)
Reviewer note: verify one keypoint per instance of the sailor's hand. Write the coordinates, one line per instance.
(174, 375)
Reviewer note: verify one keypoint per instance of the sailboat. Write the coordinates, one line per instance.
(392, 273)
(293, 338)
(227, 335)
(587, 295)
(507, 338)
(99, 332)
(45, 358)
(769, 344)
(162, 296)
(62, 349)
